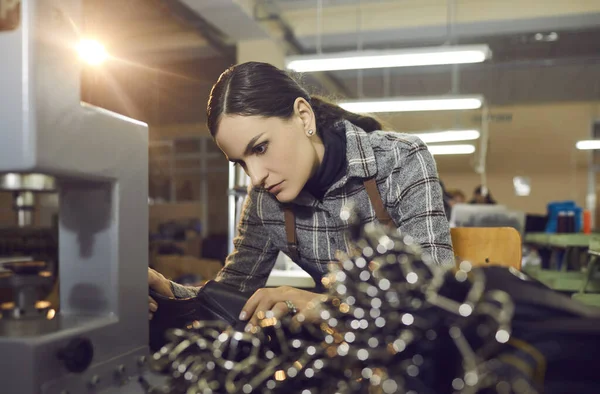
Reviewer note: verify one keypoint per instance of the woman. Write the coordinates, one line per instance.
(306, 159)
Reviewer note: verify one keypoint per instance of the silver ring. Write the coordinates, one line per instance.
(291, 307)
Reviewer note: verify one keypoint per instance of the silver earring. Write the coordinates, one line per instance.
(310, 132)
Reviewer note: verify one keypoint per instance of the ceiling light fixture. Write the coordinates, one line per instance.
(448, 136)
(588, 144)
(354, 60)
(463, 149)
(546, 37)
(403, 104)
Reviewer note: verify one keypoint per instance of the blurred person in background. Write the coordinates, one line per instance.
(451, 198)
(482, 195)
(456, 197)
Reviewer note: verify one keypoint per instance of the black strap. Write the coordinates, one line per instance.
(376, 201)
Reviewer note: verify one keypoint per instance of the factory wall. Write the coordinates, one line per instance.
(535, 141)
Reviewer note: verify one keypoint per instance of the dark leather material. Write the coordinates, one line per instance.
(532, 297)
(290, 232)
(215, 301)
(224, 302)
(377, 202)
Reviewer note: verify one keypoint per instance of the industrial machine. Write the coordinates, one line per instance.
(96, 161)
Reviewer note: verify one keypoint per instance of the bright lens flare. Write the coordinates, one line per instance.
(92, 52)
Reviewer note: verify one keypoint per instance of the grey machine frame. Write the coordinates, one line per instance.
(100, 162)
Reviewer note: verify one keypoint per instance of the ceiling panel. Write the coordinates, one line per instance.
(499, 85)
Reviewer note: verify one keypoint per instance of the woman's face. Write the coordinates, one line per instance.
(277, 154)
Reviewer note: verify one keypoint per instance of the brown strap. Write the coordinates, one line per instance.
(382, 214)
(290, 232)
(290, 218)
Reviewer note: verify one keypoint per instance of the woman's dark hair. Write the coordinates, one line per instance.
(261, 89)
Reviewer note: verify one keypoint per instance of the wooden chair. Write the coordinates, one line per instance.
(487, 245)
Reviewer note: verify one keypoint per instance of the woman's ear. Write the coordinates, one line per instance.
(304, 112)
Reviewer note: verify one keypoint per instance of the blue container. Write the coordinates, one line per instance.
(554, 208)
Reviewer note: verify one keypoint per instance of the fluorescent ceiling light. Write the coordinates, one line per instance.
(451, 149)
(588, 144)
(448, 136)
(459, 54)
(414, 104)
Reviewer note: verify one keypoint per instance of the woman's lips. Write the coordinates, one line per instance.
(275, 188)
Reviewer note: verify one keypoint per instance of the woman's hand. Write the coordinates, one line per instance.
(264, 300)
(160, 284)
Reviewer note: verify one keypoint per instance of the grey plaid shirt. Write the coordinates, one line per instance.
(407, 180)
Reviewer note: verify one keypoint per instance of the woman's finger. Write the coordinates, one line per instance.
(261, 310)
(297, 321)
(159, 283)
(280, 310)
(250, 307)
(153, 277)
(152, 305)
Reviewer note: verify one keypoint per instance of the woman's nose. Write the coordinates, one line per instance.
(257, 175)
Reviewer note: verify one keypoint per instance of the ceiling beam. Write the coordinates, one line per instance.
(394, 22)
(232, 17)
(279, 28)
(180, 41)
(190, 17)
(250, 19)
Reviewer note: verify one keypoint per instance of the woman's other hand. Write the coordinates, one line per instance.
(274, 300)
(161, 285)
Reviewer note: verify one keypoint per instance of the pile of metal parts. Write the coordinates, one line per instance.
(392, 324)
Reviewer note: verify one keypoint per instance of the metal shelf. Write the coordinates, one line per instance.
(559, 240)
(171, 163)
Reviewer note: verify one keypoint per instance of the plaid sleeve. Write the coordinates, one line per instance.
(249, 265)
(254, 255)
(417, 202)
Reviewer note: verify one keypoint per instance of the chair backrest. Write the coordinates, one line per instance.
(487, 245)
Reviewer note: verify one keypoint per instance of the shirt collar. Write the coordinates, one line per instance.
(359, 153)
(360, 160)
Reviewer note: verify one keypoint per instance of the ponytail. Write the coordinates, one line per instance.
(327, 115)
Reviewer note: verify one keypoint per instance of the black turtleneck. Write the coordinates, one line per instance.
(333, 166)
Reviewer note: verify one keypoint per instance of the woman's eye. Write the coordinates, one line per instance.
(260, 149)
